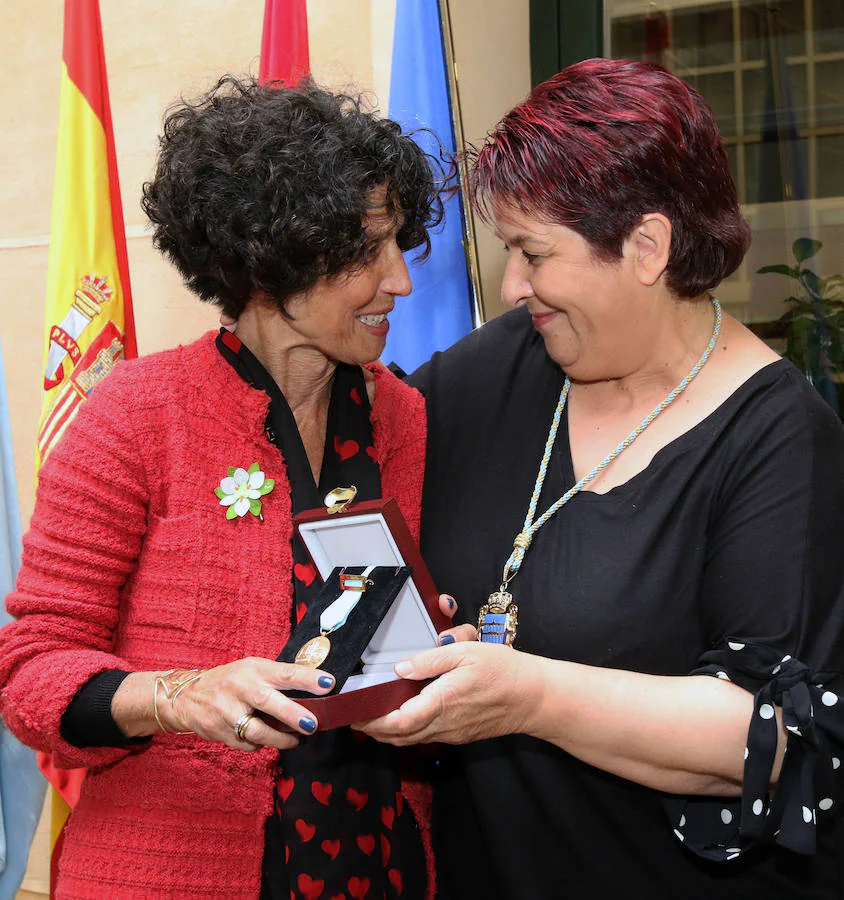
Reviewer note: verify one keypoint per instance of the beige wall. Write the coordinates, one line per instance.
(155, 50)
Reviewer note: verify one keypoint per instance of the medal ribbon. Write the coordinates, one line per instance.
(335, 615)
(525, 537)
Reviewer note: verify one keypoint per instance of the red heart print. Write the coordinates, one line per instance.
(358, 799)
(305, 829)
(305, 573)
(232, 341)
(285, 787)
(395, 880)
(388, 816)
(345, 449)
(358, 887)
(354, 393)
(338, 897)
(311, 888)
(399, 802)
(322, 792)
(287, 855)
(332, 848)
(385, 850)
(366, 842)
(370, 452)
(301, 609)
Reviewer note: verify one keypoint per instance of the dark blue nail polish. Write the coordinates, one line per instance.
(325, 681)
(451, 603)
(307, 724)
(446, 639)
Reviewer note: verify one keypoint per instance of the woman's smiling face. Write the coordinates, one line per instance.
(590, 313)
(345, 317)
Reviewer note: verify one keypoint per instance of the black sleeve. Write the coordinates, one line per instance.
(87, 722)
(772, 607)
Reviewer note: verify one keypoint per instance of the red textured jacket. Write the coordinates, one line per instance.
(130, 563)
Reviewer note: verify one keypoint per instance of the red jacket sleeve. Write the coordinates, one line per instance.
(84, 539)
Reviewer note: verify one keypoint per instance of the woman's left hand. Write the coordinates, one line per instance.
(480, 691)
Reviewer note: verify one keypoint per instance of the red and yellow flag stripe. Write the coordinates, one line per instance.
(89, 322)
(89, 307)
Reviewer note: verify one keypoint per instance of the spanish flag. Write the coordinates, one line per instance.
(89, 323)
(89, 306)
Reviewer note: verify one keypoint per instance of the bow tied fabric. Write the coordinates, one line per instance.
(809, 786)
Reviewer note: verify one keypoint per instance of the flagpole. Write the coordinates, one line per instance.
(470, 246)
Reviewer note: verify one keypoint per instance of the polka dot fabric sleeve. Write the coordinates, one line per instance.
(810, 783)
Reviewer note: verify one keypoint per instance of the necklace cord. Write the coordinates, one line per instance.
(530, 527)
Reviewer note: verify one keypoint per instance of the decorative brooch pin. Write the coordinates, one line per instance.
(241, 491)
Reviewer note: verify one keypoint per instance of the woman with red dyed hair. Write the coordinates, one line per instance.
(634, 491)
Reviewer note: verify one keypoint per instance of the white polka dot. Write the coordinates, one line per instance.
(726, 816)
(758, 806)
(733, 850)
(766, 711)
(735, 645)
(679, 835)
(825, 804)
(746, 753)
(794, 730)
(807, 815)
(775, 670)
(828, 698)
(682, 821)
(723, 676)
(776, 833)
(732, 856)
(786, 658)
(836, 762)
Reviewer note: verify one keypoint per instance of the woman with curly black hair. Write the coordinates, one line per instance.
(160, 582)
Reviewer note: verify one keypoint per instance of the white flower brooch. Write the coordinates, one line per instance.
(241, 491)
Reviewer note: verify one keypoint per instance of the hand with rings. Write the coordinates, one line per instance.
(240, 704)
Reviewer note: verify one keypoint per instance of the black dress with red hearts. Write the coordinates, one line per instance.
(341, 829)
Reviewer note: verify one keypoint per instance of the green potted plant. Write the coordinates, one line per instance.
(813, 323)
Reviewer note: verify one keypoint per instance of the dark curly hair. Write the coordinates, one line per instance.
(265, 188)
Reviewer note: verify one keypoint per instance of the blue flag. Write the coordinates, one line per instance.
(22, 785)
(439, 311)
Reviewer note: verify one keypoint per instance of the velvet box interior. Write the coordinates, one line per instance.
(397, 616)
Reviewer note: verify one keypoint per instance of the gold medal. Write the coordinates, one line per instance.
(313, 653)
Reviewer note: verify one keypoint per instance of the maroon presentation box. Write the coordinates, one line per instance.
(374, 533)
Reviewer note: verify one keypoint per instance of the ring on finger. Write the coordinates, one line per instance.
(241, 725)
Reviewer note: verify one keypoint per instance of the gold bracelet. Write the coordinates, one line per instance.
(183, 677)
(158, 683)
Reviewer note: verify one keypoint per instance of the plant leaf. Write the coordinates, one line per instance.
(220, 493)
(811, 282)
(833, 287)
(255, 467)
(230, 513)
(805, 248)
(267, 486)
(779, 270)
(255, 507)
(231, 471)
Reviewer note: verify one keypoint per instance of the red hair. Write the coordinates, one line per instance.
(606, 141)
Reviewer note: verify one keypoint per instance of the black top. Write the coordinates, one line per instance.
(723, 556)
